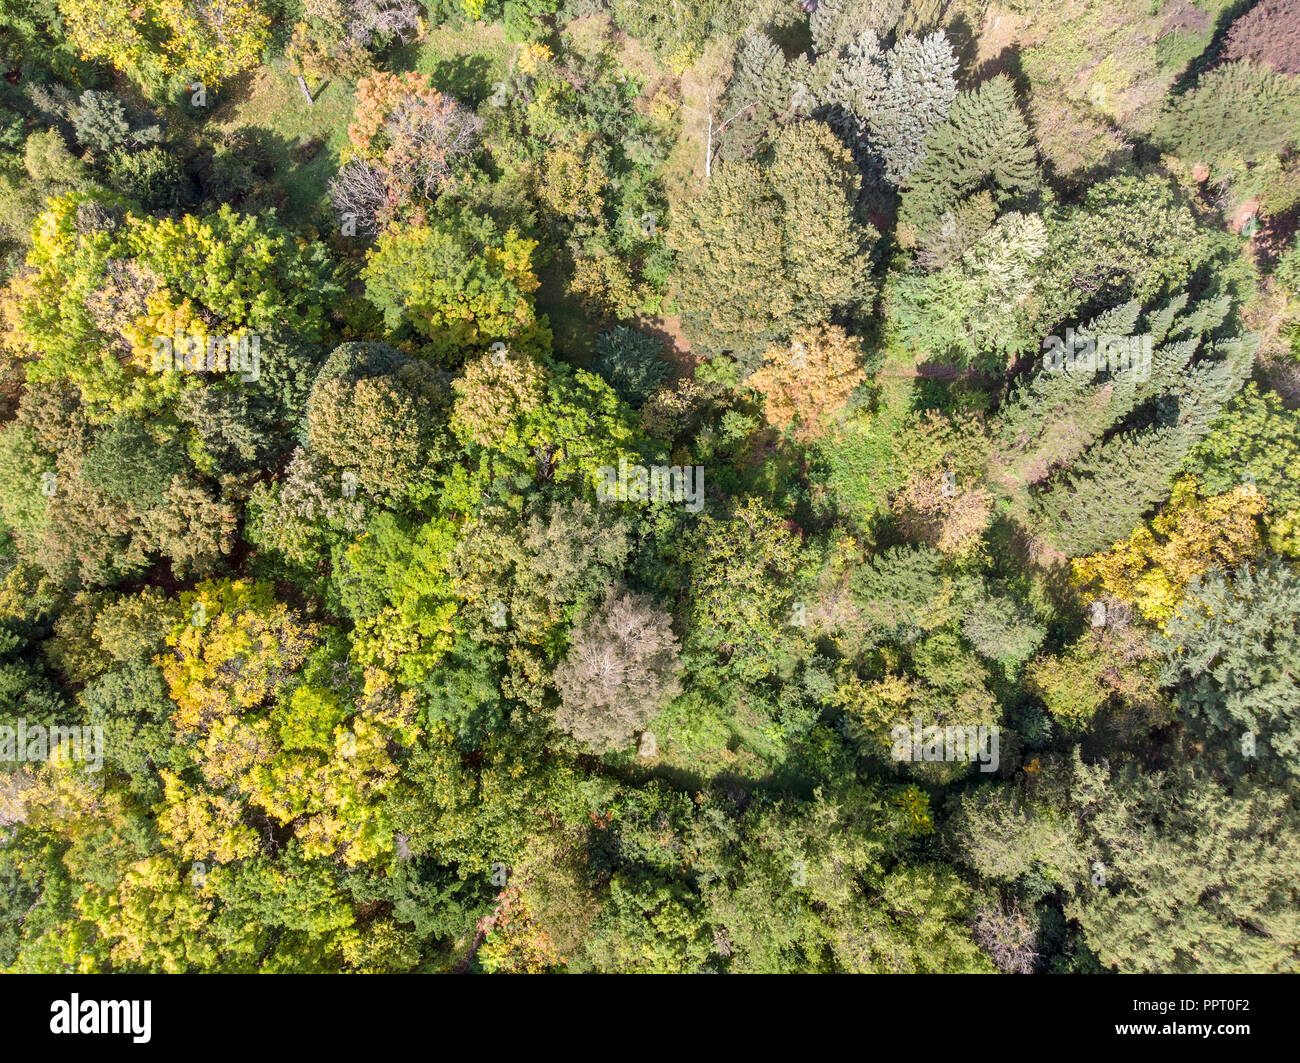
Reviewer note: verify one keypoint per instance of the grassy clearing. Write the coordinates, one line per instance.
(464, 61)
(273, 103)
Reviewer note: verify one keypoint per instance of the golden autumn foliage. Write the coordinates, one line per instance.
(202, 825)
(232, 651)
(809, 379)
(571, 180)
(154, 917)
(462, 294)
(211, 42)
(1152, 568)
(916, 805)
(493, 392)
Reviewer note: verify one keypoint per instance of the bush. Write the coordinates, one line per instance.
(632, 363)
(151, 177)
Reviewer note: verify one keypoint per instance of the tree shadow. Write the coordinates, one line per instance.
(1115, 163)
(677, 348)
(227, 98)
(965, 45)
(467, 77)
(1008, 62)
(1214, 50)
(243, 169)
(793, 37)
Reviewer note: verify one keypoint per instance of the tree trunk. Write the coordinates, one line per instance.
(302, 84)
(708, 148)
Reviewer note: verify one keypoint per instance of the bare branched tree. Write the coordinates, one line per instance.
(1008, 937)
(428, 132)
(360, 191)
(381, 18)
(623, 665)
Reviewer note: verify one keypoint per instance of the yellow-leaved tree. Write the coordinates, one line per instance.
(808, 380)
(1152, 567)
(208, 41)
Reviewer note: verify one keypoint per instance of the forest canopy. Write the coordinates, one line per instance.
(591, 486)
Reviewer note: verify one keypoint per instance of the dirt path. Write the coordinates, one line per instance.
(929, 372)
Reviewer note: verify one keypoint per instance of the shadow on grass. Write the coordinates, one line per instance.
(1210, 56)
(252, 168)
(467, 77)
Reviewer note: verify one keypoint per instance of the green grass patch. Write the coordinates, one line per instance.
(463, 60)
(273, 102)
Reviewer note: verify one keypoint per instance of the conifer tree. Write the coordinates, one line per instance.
(1051, 431)
(1234, 652)
(1053, 416)
(1238, 110)
(984, 144)
(891, 101)
(758, 95)
(1226, 904)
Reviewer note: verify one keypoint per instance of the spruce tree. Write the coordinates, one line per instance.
(1055, 415)
(890, 102)
(984, 144)
(758, 95)
(1051, 432)
(1234, 653)
(1225, 904)
(1108, 491)
(1116, 483)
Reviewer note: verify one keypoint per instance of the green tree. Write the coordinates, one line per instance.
(771, 245)
(983, 146)
(108, 291)
(1130, 238)
(1224, 905)
(1109, 666)
(462, 286)
(1002, 629)
(1234, 656)
(387, 431)
(903, 592)
(1236, 110)
(743, 583)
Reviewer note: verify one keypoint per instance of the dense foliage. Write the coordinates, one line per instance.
(520, 486)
